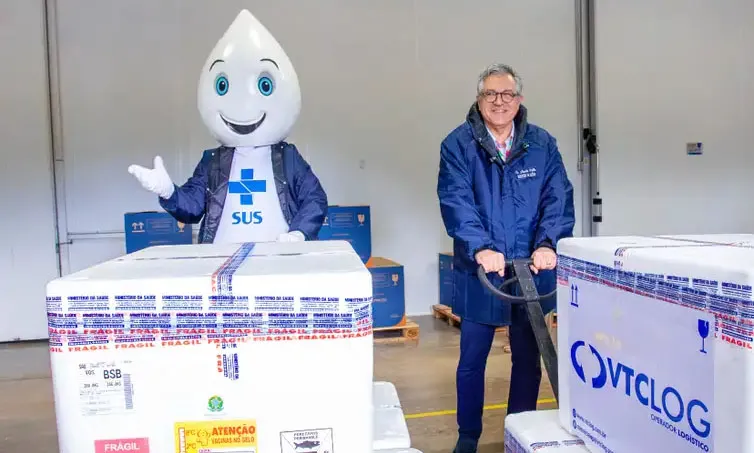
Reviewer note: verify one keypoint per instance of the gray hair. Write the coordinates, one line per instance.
(499, 69)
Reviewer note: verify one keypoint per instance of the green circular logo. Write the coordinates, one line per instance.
(215, 404)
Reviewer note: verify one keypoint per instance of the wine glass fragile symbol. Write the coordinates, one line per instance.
(703, 328)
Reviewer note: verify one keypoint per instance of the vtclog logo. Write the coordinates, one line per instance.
(666, 404)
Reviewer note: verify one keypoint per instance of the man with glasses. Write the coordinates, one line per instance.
(504, 194)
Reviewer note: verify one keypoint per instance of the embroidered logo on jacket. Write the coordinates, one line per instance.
(530, 172)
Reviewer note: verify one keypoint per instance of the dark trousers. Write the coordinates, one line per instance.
(526, 372)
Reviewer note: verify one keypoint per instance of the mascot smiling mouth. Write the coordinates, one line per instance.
(244, 129)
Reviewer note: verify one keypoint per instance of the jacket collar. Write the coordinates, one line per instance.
(482, 136)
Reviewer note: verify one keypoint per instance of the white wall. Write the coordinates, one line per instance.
(382, 82)
(671, 72)
(27, 224)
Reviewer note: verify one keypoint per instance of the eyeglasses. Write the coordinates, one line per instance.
(491, 96)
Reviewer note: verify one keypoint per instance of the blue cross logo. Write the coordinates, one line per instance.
(247, 186)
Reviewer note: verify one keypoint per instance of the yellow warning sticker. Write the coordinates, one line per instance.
(217, 436)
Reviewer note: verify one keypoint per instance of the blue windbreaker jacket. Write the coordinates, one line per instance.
(512, 207)
(202, 197)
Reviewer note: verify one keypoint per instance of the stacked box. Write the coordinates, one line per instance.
(219, 347)
(445, 279)
(149, 228)
(353, 224)
(389, 302)
(655, 340)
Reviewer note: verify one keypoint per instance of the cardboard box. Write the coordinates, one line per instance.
(207, 345)
(658, 331)
(445, 279)
(148, 228)
(352, 224)
(389, 299)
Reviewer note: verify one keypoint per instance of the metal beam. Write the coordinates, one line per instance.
(586, 98)
(53, 86)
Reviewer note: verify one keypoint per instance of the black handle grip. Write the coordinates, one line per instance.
(521, 265)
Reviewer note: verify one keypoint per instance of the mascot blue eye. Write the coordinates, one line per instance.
(265, 86)
(221, 85)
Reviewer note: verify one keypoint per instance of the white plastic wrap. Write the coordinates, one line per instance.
(539, 431)
(215, 348)
(655, 343)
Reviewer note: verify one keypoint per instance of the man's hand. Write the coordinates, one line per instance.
(544, 259)
(491, 261)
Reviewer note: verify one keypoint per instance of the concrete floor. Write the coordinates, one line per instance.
(423, 373)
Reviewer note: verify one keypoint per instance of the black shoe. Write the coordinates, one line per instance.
(465, 446)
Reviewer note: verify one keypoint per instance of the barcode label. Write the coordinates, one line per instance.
(128, 391)
(105, 387)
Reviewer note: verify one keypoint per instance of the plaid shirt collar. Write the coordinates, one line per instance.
(504, 148)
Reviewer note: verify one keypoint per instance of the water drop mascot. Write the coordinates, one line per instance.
(254, 187)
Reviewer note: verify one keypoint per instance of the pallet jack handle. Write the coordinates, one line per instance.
(530, 299)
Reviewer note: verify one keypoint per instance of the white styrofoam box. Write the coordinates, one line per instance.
(655, 342)
(722, 239)
(385, 395)
(180, 348)
(539, 431)
(390, 429)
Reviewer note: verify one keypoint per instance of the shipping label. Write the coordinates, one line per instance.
(310, 441)
(105, 387)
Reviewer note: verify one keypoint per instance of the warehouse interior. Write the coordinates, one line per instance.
(630, 90)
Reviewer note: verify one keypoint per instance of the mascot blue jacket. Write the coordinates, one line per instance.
(202, 197)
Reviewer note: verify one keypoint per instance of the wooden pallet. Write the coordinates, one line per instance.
(441, 311)
(444, 312)
(407, 332)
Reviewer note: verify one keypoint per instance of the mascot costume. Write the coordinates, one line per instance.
(255, 187)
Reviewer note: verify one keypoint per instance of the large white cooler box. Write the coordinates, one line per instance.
(655, 343)
(539, 431)
(215, 348)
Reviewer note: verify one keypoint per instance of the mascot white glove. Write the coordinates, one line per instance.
(156, 180)
(293, 236)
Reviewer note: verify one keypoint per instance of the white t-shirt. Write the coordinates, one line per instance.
(252, 210)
